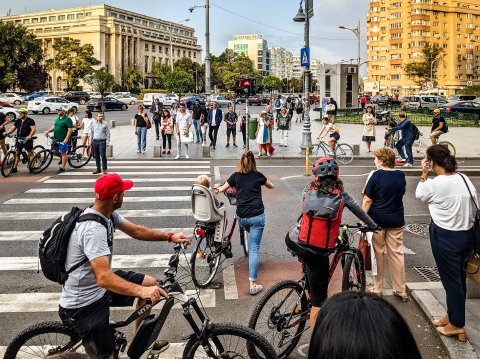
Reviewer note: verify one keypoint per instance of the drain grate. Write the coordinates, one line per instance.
(428, 273)
(418, 229)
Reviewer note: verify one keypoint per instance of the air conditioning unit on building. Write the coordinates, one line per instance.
(351, 70)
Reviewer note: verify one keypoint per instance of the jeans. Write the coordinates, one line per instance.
(179, 146)
(141, 138)
(243, 129)
(254, 226)
(408, 143)
(198, 130)
(100, 150)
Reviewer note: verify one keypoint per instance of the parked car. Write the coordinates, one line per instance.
(148, 99)
(467, 107)
(95, 95)
(46, 105)
(173, 96)
(5, 104)
(222, 101)
(460, 97)
(189, 100)
(240, 99)
(314, 99)
(128, 99)
(81, 97)
(106, 103)
(10, 112)
(116, 94)
(34, 95)
(12, 98)
(426, 101)
(257, 100)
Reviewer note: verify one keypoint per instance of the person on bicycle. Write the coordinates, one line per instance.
(62, 131)
(439, 126)
(332, 130)
(26, 128)
(3, 122)
(93, 288)
(326, 182)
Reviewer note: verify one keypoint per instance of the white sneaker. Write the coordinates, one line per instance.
(407, 165)
(187, 157)
(177, 157)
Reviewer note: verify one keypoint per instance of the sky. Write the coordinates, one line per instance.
(271, 18)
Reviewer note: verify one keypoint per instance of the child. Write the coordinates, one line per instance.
(334, 131)
(204, 180)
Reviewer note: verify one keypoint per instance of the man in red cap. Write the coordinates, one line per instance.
(93, 287)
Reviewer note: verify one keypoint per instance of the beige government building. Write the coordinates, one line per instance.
(120, 38)
(398, 30)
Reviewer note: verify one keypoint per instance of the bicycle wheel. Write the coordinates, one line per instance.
(354, 273)
(229, 341)
(244, 240)
(451, 147)
(40, 161)
(79, 156)
(280, 316)
(420, 148)
(38, 148)
(319, 152)
(42, 340)
(344, 153)
(205, 261)
(8, 163)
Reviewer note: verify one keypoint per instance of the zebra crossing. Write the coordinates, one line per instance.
(160, 199)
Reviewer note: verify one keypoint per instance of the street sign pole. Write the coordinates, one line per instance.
(306, 133)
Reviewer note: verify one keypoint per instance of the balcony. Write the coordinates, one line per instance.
(396, 62)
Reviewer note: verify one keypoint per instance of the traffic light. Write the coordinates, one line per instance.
(246, 87)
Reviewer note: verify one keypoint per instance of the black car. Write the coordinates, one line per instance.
(106, 103)
(467, 107)
(240, 99)
(257, 100)
(80, 97)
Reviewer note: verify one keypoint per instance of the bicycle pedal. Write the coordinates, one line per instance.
(228, 254)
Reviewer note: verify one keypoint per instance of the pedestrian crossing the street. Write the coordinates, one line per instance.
(160, 199)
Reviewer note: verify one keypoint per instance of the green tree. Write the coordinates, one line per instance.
(272, 83)
(295, 84)
(158, 72)
(132, 77)
(33, 77)
(101, 80)
(471, 90)
(19, 49)
(178, 81)
(74, 59)
(420, 72)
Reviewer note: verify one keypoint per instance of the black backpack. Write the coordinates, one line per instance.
(415, 131)
(52, 248)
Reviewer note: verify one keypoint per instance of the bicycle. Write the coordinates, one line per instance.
(207, 340)
(343, 153)
(421, 146)
(284, 310)
(75, 156)
(9, 160)
(207, 255)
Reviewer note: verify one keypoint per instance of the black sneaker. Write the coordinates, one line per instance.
(60, 170)
(14, 170)
(235, 145)
(228, 145)
(160, 346)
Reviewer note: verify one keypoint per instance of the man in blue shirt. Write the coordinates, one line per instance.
(406, 141)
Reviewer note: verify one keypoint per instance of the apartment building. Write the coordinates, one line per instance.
(120, 38)
(255, 47)
(399, 29)
(281, 62)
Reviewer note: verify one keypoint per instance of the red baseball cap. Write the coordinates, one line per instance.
(110, 185)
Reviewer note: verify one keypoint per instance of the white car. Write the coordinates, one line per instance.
(46, 105)
(222, 101)
(10, 112)
(173, 96)
(95, 94)
(148, 99)
(10, 97)
(127, 99)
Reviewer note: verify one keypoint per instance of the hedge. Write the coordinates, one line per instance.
(144, 91)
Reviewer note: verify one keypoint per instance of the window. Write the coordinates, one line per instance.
(80, 16)
(52, 18)
(396, 77)
(154, 48)
(35, 20)
(26, 21)
(43, 19)
(61, 17)
(146, 47)
(70, 16)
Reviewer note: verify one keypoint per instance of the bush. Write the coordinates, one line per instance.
(119, 88)
(144, 91)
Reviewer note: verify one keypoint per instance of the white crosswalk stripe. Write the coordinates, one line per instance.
(59, 180)
(90, 190)
(133, 173)
(134, 213)
(90, 200)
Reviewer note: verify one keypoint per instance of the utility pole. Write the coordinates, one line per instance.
(207, 49)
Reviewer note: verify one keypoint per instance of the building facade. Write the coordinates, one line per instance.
(399, 29)
(281, 62)
(120, 38)
(255, 47)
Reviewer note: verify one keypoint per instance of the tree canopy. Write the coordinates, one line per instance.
(101, 80)
(420, 72)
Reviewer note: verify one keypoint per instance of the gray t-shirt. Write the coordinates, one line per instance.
(88, 239)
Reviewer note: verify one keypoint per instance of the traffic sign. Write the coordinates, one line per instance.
(469, 83)
(305, 56)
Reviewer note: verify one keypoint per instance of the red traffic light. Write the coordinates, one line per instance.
(246, 83)
(239, 84)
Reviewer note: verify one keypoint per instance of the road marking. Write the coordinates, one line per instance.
(48, 302)
(135, 213)
(407, 250)
(229, 283)
(36, 235)
(154, 173)
(217, 174)
(61, 200)
(159, 162)
(147, 167)
(43, 179)
(136, 180)
(90, 190)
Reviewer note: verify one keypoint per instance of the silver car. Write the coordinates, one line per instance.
(222, 101)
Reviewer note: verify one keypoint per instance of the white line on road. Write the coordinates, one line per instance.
(110, 167)
(43, 179)
(90, 190)
(229, 283)
(20, 216)
(160, 162)
(136, 180)
(150, 173)
(217, 174)
(60, 200)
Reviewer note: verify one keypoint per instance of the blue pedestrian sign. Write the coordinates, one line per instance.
(305, 56)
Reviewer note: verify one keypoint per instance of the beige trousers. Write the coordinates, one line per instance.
(390, 238)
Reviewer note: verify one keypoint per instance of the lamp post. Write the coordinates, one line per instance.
(306, 133)
(356, 31)
(431, 69)
(171, 41)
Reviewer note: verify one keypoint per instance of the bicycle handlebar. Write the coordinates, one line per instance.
(363, 228)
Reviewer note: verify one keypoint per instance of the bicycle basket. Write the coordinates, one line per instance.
(231, 194)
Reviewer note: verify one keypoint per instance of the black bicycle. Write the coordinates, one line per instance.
(77, 156)
(282, 314)
(208, 340)
(9, 160)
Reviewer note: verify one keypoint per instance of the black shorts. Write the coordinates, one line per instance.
(27, 145)
(92, 321)
(231, 130)
(317, 275)
(2, 137)
(335, 135)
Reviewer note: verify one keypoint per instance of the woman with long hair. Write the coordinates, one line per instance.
(250, 210)
(87, 129)
(166, 126)
(263, 134)
(141, 123)
(450, 198)
(369, 123)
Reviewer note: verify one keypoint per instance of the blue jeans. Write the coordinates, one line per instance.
(408, 147)
(254, 226)
(141, 138)
(198, 130)
(100, 150)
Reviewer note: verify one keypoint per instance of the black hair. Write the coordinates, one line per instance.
(88, 113)
(358, 325)
(328, 184)
(441, 156)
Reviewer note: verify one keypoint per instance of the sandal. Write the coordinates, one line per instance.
(403, 296)
(255, 290)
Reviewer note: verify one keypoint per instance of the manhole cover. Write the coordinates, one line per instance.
(418, 229)
(428, 273)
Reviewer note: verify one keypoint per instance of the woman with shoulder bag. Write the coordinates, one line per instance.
(451, 236)
(263, 134)
(369, 122)
(167, 130)
(141, 123)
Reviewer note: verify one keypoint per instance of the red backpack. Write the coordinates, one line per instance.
(321, 219)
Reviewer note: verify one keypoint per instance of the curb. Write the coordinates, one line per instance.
(432, 308)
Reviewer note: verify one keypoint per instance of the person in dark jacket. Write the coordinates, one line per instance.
(156, 110)
(332, 108)
(406, 141)
(214, 120)
(196, 116)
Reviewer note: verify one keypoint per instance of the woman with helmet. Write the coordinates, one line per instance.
(325, 184)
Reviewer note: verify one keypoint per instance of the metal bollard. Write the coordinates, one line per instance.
(112, 123)
(356, 150)
(157, 151)
(109, 150)
(307, 161)
(132, 122)
(206, 152)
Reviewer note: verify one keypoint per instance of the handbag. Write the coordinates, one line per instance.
(473, 267)
(149, 125)
(186, 137)
(476, 221)
(364, 248)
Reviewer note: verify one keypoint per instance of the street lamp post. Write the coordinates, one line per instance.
(171, 41)
(356, 31)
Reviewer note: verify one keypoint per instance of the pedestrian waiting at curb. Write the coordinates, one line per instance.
(406, 141)
(196, 117)
(450, 197)
(87, 122)
(299, 107)
(156, 111)
(214, 120)
(278, 104)
(369, 123)
(243, 127)
(100, 134)
(284, 125)
(167, 131)
(231, 118)
(62, 131)
(182, 129)
(263, 134)
(204, 122)
(141, 123)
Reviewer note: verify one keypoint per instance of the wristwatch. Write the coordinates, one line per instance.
(169, 237)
